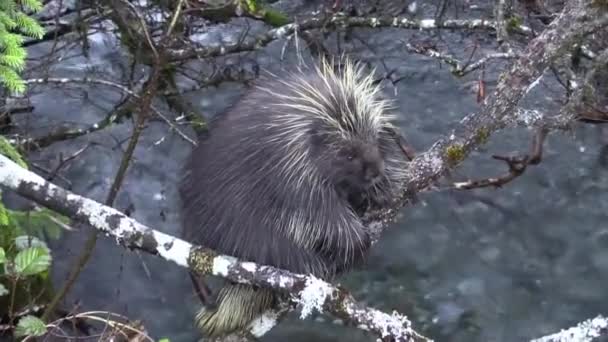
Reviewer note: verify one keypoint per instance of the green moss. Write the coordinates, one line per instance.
(269, 16)
(483, 134)
(275, 18)
(600, 4)
(514, 23)
(11, 153)
(199, 125)
(200, 260)
(454, 153)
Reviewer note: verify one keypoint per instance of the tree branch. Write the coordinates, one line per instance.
(338, 20)
(576, 20)
(107, 120)
(309, 292)
(583, 332)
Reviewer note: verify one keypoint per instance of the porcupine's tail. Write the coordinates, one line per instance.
(237, 305)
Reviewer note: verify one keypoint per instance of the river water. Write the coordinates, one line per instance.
(486, 265)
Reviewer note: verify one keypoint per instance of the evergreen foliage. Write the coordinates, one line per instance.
(15, 25)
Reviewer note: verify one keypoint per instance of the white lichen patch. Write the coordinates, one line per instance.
(106, 219)
(250, 267)
(283, 30)
(584, 332)
(98, 215)
(392, 325)
(261, 325)
(313, 296)
(427, 23)
(385, 323)
(427, 164)
(528, 116)
(280, 281)
(172, 249)
(395, 325)
(476, 22)
(460, 185)
(11, 174)
(534, 84)
(222, 263)
(284, 281)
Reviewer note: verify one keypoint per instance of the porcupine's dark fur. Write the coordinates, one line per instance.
(282, 176)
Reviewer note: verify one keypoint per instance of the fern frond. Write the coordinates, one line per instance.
(7, 21)
(11, 80)
(15, 62)
(14, 25)
(32, 5)
(11, 44)
(29, 26)
(8, 6)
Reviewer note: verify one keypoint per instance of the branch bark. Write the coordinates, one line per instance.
(585, 331)
(309, 292)
(577, 19)
(336, 21)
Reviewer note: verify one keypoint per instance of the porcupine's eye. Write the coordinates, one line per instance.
(347, 154)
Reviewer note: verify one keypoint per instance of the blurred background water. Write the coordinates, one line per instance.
(486, 265)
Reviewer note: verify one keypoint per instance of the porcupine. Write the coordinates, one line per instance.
(283, 177)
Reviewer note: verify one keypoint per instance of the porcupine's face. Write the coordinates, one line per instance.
(358, 166)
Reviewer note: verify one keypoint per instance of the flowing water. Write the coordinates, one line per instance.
(486, 265)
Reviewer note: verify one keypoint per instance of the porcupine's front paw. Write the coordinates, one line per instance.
(381, 200)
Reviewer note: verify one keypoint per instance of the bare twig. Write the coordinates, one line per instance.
(574, 22)
(89, 80)
(457, 67)
(63, 161)
(145, 108)
(517, 165)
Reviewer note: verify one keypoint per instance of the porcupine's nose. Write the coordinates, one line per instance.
(371, 173)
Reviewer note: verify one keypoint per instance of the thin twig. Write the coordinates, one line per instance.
(89, 80)
(517, 166)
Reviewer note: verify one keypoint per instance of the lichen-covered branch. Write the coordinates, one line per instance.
(573, 23)
(587, 331)
(309, 292)
(338, 20)
(65, 133)
(459, 68)
(577, 19)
